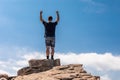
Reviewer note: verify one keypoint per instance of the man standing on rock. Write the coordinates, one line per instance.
(50, 34)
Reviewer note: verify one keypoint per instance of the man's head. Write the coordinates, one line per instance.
(50, 18)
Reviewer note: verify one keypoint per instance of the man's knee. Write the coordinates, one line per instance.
(47, 48)
(52, 48)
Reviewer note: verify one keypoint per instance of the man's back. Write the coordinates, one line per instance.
(50, 28)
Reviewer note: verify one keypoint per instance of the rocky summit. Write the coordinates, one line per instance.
(51, 70)
(44, 69)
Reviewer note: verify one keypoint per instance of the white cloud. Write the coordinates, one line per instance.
(93, 6)
(91, 2)
(99, 61)
(87, 1)
(105, 77)
(34, 55)
(3, 72)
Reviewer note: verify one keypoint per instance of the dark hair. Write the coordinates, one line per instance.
(50, 18)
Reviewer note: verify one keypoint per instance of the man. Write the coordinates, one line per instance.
(49, 34)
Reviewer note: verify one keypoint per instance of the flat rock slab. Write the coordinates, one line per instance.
(44, 62)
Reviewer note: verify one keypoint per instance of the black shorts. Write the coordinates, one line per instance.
(50, 41)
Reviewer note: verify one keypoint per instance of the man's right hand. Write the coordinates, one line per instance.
(41, 12)
(41, 16)
(57, 16)
(57, 12)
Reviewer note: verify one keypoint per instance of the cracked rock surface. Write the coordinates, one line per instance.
(64, 72)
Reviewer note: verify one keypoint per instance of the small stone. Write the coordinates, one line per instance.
(63, 67)
(3, 76)
(71, 68)
(75, 65)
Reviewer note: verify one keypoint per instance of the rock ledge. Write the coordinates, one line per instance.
(38, 65)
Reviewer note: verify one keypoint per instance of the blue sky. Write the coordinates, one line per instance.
(86, 26)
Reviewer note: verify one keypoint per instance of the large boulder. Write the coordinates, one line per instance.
(38, 65)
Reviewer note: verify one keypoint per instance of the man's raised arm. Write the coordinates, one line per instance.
(58, 17)
(41, 19)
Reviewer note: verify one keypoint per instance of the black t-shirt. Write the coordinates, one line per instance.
(49, 28)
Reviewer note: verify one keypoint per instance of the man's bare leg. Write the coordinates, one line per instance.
(47, 52)
(52, 52)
